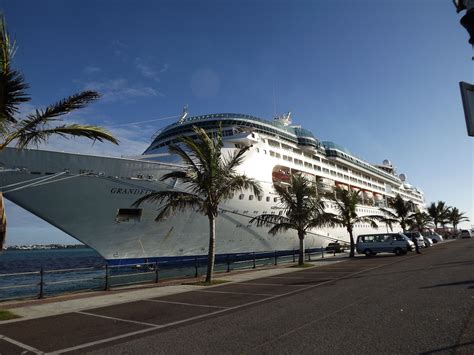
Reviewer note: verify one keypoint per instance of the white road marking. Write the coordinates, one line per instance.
(264, 284)
(117, 319)
(21, 345)
(184, 304)
(238, 293)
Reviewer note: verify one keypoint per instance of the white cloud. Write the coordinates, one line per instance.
(133, 140)
(118, 47)
(120, 89)
(148, 71)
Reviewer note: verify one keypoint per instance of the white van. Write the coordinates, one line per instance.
(371, 244)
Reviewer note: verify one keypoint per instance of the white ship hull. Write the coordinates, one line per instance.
(85, 207)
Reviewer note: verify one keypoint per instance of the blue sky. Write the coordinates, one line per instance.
(378, 77)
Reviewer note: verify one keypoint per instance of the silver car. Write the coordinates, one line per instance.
(417, 236)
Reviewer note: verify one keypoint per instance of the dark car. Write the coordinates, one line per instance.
(336, 247)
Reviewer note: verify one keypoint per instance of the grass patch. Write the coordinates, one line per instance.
(204, 283)
(302, 266)
(6, 315)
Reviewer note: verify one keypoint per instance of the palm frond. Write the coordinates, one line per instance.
(388, 213)
(267, 220)
(12, 83)
(28, 137)
(370, 219)
(62, 107)
(235, 159)
(187, 158)
(176, 174)
(323, 220)
(173, 201)
(12, 94)
(239, 183)
(281, 228)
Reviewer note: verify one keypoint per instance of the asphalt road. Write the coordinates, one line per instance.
(415, 304)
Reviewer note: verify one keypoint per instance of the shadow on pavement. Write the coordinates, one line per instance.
(454, 347)
(460, 283)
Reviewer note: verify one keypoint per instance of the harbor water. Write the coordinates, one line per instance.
(45, 273)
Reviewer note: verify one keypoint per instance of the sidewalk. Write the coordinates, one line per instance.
(33, 309)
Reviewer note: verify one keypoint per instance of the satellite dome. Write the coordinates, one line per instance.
(402, 177)
(387, 162)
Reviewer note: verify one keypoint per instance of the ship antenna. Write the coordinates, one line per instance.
(184, 114)
(274, 102)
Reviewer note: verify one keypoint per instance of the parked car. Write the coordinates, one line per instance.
(428, 241)
(434, 236)
(465, 233)
(418, 236)
(336, 247)
(371, 244)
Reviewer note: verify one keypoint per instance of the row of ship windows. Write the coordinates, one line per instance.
(260, 198)
(325, 170)
(334, 153)
(332, 172)
(275, 199)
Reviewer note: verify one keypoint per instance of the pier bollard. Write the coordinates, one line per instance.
(41, 284)
(157, 276)
(254, 263)
(276, 257)
(322, 253)
(196, 270)
(228, 263)
(106, 286)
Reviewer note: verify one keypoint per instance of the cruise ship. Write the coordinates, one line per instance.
(91, 197)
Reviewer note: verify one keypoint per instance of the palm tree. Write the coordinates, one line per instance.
(303, 209)
(439, 212)
(38, 126)
(456, 217)
(401, 215)
(208, 179)
(420, 221)
(346, 206)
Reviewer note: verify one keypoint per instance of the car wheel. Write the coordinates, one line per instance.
(368, 252)
(398, 251)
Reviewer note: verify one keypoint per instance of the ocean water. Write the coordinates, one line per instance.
(25, 266)
(13, 261)
(72, 270)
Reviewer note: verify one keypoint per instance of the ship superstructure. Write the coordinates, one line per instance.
(91, 197)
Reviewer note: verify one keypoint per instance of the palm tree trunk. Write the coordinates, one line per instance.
(352, 253)
(301, 254)
(3, 222)
(212, 246)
